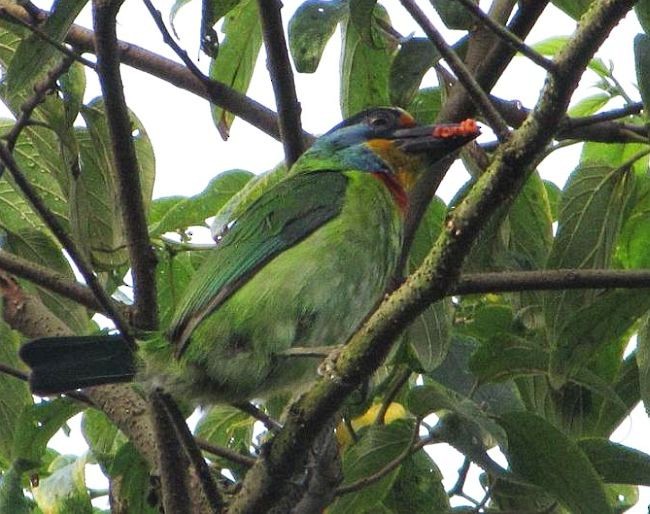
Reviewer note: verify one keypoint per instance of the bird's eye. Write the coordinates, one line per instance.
(379, 122)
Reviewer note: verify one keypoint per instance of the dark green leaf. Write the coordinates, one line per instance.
(502, 359)
(310, 28)
(173, 274)
(237, 56)
(361, 14)
(364, 69)
(554, 194)
(134, 480)
(590, 105)
(453, 14)
(546, 457)
(37, 424)
(102, 436)
(642, 10)
(616, 463)
(413, 59)
(12, 497)
(34, 55)
(418, 488)
(574, 8)
(643, 361)
(377, 446)
(426, 105)
(196, 209)
(14, 395)
(95, 215)
(642, 61)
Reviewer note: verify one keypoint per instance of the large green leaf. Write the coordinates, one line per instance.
(14, 395)
(642, 9)
(173, 274)
(377, 446)
(36, 426)
(413, 59)
(643, 361)
(94, 206)
(235, 62)
(591, 213)
(429, 336)
(132, 478)
(310, 28)
(12, 497)
(193, 211)
(426, 105)
(64, 491)
(35, 54)
(365, 68)
(102, 436)
(616, 463)
(453, 14)
(642, 62)
(546, 457)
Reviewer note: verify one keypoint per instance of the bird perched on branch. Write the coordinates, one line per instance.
(301, 267)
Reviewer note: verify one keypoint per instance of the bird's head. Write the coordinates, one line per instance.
(389, 142)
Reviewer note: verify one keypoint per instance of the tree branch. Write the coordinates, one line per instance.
(44, 277)
(282, 79)
(474, 90)
(226, 453)
(545, 280)
(438, 274)
(143, 259)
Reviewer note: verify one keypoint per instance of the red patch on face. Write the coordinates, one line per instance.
(395, 188)
(467, 127)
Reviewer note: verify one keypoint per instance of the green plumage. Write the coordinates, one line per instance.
(302, 266)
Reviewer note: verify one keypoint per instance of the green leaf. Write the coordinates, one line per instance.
(64, 491)
(310, 28)
(37, 424)
(590, 105)
(574, 8)
(173, 274)
(506, 358)
(546, 457)
(365, 69)
(133, 475)
(413, 59)
(238, 52)
(426, 105)
(35, 55)
(642, 62)
(361, 16)
(643, 361)
(429, 336)
(453, 14)
(591, 213)
(212, 11)
(102, 436)
(12, 497)
(550, 46)
(95, 214)
(418, 488)
(554, 194)
(642, 10)
(377, 446)
(15, 393)
(616, 463)
(195, 210)
(633, 249)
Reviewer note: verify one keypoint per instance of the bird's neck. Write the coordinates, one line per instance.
(395, 188)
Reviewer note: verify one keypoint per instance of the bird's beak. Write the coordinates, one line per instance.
(436, 141)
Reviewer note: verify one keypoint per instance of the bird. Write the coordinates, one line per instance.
(301, 267)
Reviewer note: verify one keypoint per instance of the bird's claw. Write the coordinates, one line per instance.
(327, 368)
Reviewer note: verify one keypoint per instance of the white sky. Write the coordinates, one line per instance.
(189, 151)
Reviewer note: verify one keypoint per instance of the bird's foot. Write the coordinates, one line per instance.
(327, 368)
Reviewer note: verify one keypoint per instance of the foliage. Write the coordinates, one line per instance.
(542, 375)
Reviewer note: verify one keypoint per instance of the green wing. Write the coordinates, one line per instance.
(280, 218)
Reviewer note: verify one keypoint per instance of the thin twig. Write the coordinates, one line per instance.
(614, 114)
(457, 488)
(282, 79)
(142, 256)
(378, 475)
(226, 453)
(67, 242)
(44, 277)
(192, 452)
(401, 377)
(506, 35)
(476, 92)
(250, 409)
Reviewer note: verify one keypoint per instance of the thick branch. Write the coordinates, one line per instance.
(143, 259)
(556, 279)
(282, 79)
(440, 269)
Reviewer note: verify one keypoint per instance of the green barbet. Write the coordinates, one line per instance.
(301, 267)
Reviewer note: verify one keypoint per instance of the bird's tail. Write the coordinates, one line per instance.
(60, 364)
